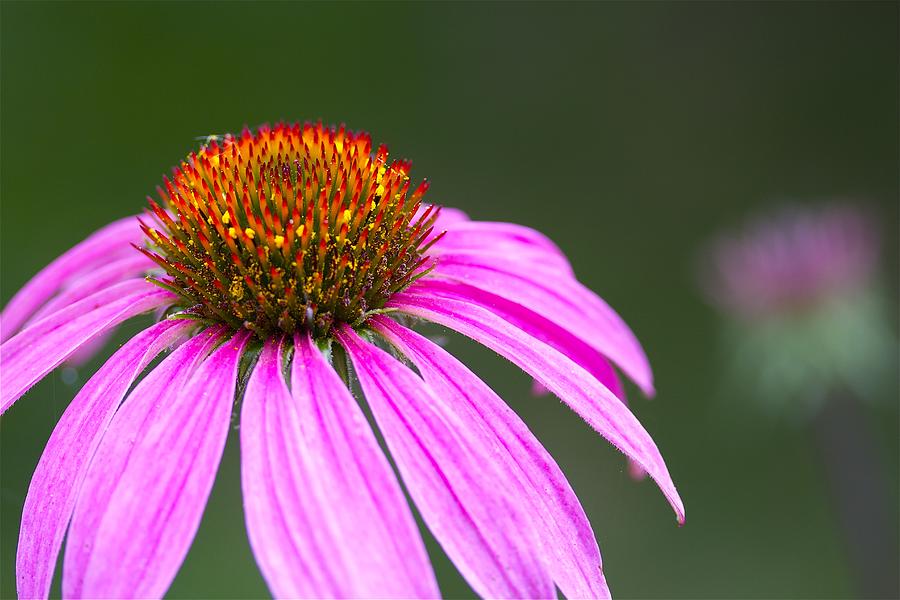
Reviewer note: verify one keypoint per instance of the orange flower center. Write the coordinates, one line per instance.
(291, 228)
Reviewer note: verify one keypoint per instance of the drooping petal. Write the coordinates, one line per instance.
(502, 240)
(40, 348)
(97, 249)
(131, 266)
(146, 488)
(565, 378)
(535, 324)
(325, 514)
(569, 547)
(559, 298)
(58, 476)
(110, 459)
(607, 377)
(360, 488)
(292, 563)
(468, 506)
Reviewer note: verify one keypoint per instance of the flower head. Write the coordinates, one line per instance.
(290, 228)
(276, 263)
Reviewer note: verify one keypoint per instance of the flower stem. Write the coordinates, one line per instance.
(860, 493)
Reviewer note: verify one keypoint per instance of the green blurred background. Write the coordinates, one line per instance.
(628, 133)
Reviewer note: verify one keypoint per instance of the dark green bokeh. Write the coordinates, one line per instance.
(627, 132)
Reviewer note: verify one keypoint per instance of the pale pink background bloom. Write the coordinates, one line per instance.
(791, 259)
(804, 313)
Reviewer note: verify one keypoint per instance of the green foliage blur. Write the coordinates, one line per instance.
(628, 133)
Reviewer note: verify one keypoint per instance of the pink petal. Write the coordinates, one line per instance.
(545, 330)
(131, 266)
(597, 366)
(146, 488)
(325, 514)
(110, 460)
(560, 299)
(569, 548)
(293, 565)
(611, 381)
(502, 240)
(469, 507)
(40, 348)
(565, 378)
(58, 476)
(447, 217)
(96, 250)
(360, 489)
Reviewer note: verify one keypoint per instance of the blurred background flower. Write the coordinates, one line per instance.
(806, 313)
(629, 133)
(809, 337)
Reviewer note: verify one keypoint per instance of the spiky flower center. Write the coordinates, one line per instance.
(291, 228)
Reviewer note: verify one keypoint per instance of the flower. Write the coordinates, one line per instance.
(282, 265)
(805, 314)
(792, 261)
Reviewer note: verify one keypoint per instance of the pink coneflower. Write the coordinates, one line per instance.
(284, 266)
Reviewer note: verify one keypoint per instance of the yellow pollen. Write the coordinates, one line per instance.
(300, 230)
(250, 233)
(279, 241)
(237, 289)
(226, 217)
(232, 232)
